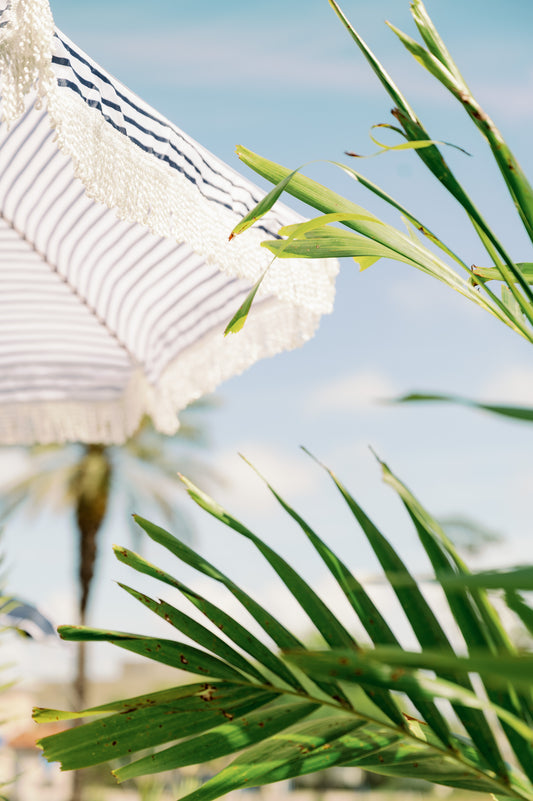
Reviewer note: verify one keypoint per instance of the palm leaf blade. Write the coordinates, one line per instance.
(132, 730)
(221, 740)
(240, 635)
(302, 749)
(168, 652)
(370, 617)
(198, 633)
(427, 628)
(477, 619)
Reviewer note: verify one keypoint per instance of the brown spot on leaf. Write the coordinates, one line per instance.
(183, 660)
(410, 717)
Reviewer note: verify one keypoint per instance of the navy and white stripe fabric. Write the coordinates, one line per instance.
(116, 275)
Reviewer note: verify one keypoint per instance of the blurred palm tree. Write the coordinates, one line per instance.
(85, 480)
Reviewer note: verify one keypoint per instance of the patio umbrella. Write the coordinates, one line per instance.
(116, 271)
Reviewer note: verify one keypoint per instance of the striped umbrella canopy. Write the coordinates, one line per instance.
(117, 277)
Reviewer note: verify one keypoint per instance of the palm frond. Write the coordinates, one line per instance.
(375, 239)
(299, 711)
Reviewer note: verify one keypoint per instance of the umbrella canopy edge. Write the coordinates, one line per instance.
(143, 184)
(198, 371)
(104, 324)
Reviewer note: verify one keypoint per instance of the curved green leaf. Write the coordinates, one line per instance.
(524, 413)
(478, 621)
(232, 736)
(425, 625)
(332, 243)
(360, 668)
(525, 612)
(496, 670)
(509, 579)
(494, 273)
(135, 729)
(331, 629)
(264, 205)
(279, 633)
(241, 315)
(202, 636)
(302, 749)
(369, 616)
(173, 694)
(240, 635)
(169, 652)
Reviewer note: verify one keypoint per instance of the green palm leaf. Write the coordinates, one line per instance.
(283, 729)
(234, 735)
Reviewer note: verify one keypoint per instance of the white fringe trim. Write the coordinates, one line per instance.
(145, 190)
(136, 184)
(196, 372)
(142, 189)
(25, 53)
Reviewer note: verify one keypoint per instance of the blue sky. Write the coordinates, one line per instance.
(285, 80)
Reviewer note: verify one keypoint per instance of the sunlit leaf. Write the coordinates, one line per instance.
(241, 315)
(264, 205)
(191, 628)
(169, 652)
(300, 750)
(143, 727)
(494, 273)
(233, 629)
(360, 668)
(234, 735)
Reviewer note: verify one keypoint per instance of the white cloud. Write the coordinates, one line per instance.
(513, 384)
(289, 472)
(350, 393)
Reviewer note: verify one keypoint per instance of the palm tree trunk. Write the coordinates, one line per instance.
(91, 489)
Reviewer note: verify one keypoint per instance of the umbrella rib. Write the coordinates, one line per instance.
(131, 356)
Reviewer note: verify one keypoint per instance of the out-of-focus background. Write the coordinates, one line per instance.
(285, 80)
